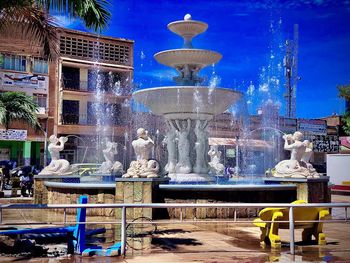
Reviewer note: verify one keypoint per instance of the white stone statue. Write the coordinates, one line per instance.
(184, 165)
(109, 166)
(308, 152)
(201, 146)
(143, 145)
(216, 167)
(170, 140)
(57, 166)
(143, 167)
(295, 167)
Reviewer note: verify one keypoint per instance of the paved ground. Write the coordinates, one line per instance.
(214, 242)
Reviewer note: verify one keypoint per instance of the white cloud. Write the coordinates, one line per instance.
(64, 21)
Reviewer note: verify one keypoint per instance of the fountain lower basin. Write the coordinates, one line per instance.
(187, 102)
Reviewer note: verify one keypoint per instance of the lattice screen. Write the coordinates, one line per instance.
(94, 50)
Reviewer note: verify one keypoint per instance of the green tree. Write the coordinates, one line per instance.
(17, 106)
(346, 122)
(31, 20)
(344, 92)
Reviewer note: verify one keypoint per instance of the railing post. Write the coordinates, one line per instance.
(123, 231)
(64, 216)
(291, 230)
(346, 213)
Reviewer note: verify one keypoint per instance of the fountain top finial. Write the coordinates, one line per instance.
(187, 17)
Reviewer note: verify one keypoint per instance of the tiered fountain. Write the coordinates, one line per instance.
(187, 107)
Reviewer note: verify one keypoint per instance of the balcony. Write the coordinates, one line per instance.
(42, 112)
(70, 118)
(75, 85)
(86, 125)
(90, 120)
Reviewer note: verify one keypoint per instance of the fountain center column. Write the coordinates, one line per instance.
(180, 130)
(184, 165)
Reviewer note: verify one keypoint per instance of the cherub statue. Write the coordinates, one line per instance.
(294, 167)
(142, 167)
(109, 165)
(216, 167)
(57, 166)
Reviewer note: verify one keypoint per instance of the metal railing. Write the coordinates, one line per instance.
(124, 207)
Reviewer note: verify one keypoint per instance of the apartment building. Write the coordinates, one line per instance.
(23, 70)
(89, 93)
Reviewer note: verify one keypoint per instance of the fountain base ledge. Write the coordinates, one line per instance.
(192, 178)
(311, 190)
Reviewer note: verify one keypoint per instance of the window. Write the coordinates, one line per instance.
(71, 78)
(13, 62)
(40, 66)
(104, 81)
(70, 112)
(103, 113)
(40, 99)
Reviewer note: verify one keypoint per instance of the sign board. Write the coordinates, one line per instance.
(22, 80)
(288, 125)
(13, 135)
(313, 126)
(325, 143)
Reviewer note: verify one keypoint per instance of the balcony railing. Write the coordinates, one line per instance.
(76, 85)
(70, 118)
(87, 119)
(85, 86)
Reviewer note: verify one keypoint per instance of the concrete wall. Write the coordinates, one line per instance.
(338, 168)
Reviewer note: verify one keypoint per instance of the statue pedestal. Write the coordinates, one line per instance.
(41, 191)
(138, 191)
(311, 190)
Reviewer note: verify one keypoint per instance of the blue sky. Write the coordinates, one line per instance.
(250, 35)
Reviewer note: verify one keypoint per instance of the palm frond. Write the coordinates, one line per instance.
(94, 13)
(33, 25)
(17, 106)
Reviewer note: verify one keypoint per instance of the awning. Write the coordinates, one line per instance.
(241, 142)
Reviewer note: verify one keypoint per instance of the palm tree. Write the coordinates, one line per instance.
(30, 20)
(17, 106)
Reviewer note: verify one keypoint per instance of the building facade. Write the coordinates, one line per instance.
(89, 93)
(83, 95)
(22, 70)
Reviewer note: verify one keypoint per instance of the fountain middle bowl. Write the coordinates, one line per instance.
(187, 102)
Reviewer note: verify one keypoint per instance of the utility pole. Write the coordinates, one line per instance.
(290, 63)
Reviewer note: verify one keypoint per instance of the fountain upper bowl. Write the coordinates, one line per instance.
(188, 28)
(187, 102)
(179, 57)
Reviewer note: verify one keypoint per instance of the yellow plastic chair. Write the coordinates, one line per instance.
(269, 231)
